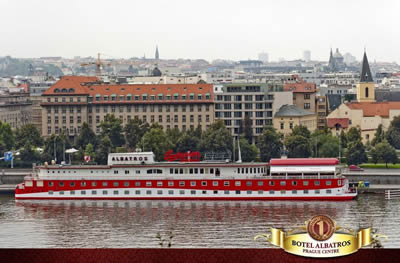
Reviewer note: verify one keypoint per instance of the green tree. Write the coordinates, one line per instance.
(379, 135)
(112, 128)
(155, 140)
(61, 143)
(89, 151)
(343, 139)
(298, 146)
(248, 151)
(103, 149)
(248, 129)
(29, 154)
(384, 152)
(324, 144)
(187, 142)
(270, 144)
(28, 135)
(7, 137)
(174, 135)
(393, 133)
(355, 153)
(216, 139)
(134, 131)
(353, 135)
(301, 131)
(85, 137)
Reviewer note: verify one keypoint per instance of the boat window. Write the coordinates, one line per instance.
(170, 183)
(272, 192)
(294, 183)
(51, 192)
(126, 171)
(196, 170)
(105, 192)
(249, 192)
(251, 170)
(181, 171)
(115, 192)
(259, 170)
(201, 171)
(226, 183)
(50, 184)
(182, 192)
(126, 192)
(238, 170)
(242, 170)
(137, 183)
(171, 170)
(260, 183)
(137, 171)
(215, 192)
(105, 184)
(171, 192)
(126, 184)
(137, 192)
(328, 182)
(148, 183)
(237, 183)
(115, 184)
(149, 171)
(72, 184)
(159, 183)
(238, 192)
(148, 192)
(283, 191)
(191, 170)
(204, 192)
(176, 171)
(181, 183)
(271, 183)
(94, 184)
(193, 192)
(61, 183)
(260, 192)
(294, 191)
(72, 192)
(215, 183)
(226, 192)
(316, 182)
(83, 192)
(339, 182)
(204, 183)
(61, 192)
(305, 182)
(247, 170)
(317, 191)
(305, 191)
(115, 171)
(329, 191)
(248, 183)
(192, 183)
(282, 183)
(211, 170)
(83, 183)
(94, 192)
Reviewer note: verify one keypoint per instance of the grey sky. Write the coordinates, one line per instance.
(206, 29)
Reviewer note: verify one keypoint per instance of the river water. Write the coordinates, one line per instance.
(194, 224)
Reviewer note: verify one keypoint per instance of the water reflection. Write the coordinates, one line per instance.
(194, 223)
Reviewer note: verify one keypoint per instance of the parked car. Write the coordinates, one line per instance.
(355, 168)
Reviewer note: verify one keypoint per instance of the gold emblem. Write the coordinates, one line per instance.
(321, 227)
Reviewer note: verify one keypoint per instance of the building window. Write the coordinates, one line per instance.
(307, 106)
(366, 92)
(282, 125)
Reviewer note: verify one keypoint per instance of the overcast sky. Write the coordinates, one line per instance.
(208, 29)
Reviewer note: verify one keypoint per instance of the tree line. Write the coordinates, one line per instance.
(136, 134)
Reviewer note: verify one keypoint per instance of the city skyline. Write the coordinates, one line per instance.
(220, 30)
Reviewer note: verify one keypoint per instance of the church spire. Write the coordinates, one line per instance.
(157, 56)
(366, 75)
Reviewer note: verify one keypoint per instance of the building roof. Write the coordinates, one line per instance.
(74, 85)
(341, 122)
(292, 111)
(366, 75)
(300, 87)
(375, 108)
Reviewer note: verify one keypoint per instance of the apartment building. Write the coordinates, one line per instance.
(303, 94)
(15, 109)
(236, 101)
(290, 116)
(75, 99)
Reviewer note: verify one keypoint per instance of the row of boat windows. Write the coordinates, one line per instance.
(193, 192)
(192, 183)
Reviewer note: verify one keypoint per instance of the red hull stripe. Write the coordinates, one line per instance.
(310, 198)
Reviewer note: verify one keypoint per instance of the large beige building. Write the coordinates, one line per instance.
(15, 109)
(74, 100)
(290, 116)
(365, 113)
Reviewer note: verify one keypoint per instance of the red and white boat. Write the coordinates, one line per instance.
(137, 176)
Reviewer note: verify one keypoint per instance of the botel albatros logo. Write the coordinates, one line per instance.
(321, 237)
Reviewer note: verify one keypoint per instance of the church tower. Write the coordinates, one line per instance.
(366, 86)
(157, 56)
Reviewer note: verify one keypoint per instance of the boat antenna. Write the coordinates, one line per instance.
(239, 153)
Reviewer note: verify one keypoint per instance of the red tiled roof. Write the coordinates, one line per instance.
(66, 83)
(343, 122)
(300, 87)
(374, 108)
(101, 90)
